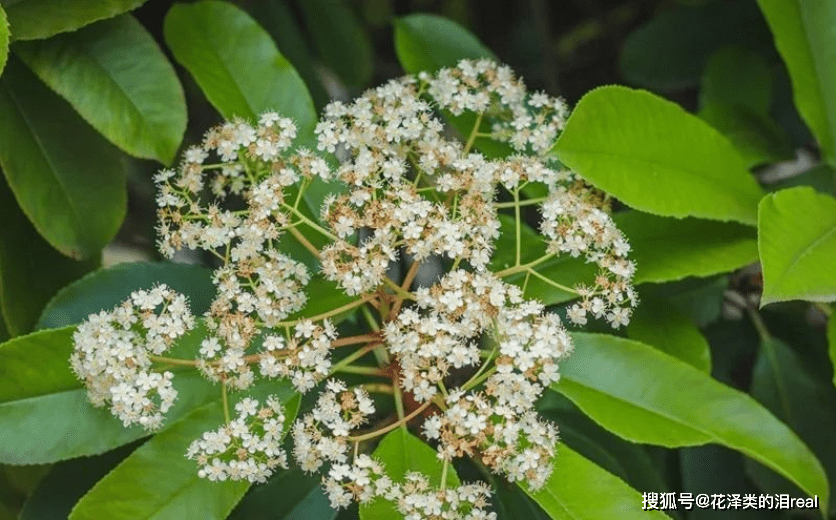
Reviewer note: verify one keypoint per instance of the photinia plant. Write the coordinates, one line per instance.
(461, 352)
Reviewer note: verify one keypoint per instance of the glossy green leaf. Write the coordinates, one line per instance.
(69, 181)
(668, 249)
(650, 397)
(803, 31)
(107, 288)
(797, 243)
(66, 483)
(581, 490)
(510, 503)
(139, 104)
(657, 323)
(4, 39)
(37, 19)
(340, 39)
(401, 452)
(426, 42)
(236, 63)
(656, 157)
(289, 495)
(757, 138)
(44, 413)
(626, 460)
(158, 482)
(671, 50)
(31, 271)
(800, 398)
(739, 77)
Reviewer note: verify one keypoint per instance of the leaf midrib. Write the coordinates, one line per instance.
(75, 214)
(147, 125)
(816, 69)
(711, 435)
(561, 504)
(224, 66)
(663, 165)
(802, 252)
(637, 405)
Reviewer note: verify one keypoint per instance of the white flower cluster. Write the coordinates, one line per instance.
(304, 358)
(528, 122)
(250, 164)
(442, 331)
(322, 435)
(500, 425)
(381, 131)
(247, 448)
(113, 355)
(417, 499)
(412, 190)
(574, 226)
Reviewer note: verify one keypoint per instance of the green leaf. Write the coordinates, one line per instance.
(4, 39)
(340, 39)
(656, 157)
(401, 452)
(655, 322)
(650, 397)
(158, 482)
(139, 104)
(626, 460)
(107, 288)
(288, 495)
(671, 50)
(36, 19)
(803, 31)
(66, 483)
(31, 271)
(69, 181)
(426, 42)
(756, 137)
(510, 503)
(800, 398)
(580, 490)
(236, 63)
(797, 243)
(44, 413)
(739, 77)
(668, 249)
